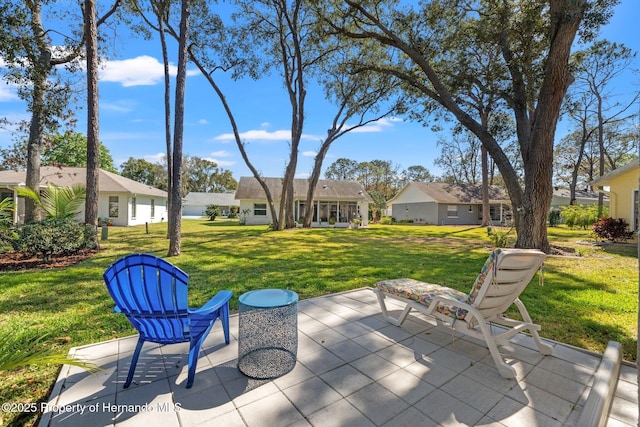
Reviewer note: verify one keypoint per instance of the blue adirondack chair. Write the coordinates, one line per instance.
(152, 293)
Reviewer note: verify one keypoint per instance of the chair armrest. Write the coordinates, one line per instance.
(218, 300)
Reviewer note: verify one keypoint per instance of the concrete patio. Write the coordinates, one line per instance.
(354, 369)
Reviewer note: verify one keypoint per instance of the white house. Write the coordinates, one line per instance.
(441, 203)
(194, 204)
(342, 201)
(123, 201)
(562, 197)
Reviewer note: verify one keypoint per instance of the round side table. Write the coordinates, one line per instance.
(268, 333)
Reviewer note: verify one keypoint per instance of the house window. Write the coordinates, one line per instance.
(114, 208)
(348, 211)
(494, 212)
(153, 208)
(260, 209)
(452, 211)
(133, 208)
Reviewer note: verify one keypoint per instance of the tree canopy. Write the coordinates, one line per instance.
(61, 149)
(468, 59)
(198, 174)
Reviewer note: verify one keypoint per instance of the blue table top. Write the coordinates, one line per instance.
(266, 298)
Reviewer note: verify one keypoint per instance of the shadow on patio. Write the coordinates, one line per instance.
(353, 369)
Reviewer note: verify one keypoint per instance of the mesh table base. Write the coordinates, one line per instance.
(268, 340)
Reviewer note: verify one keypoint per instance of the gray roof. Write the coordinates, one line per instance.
(443, 192)
(68, 176)
(204, 199)
(580, 194)
(326, 189)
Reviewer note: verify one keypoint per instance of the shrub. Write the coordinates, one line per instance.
(386, 220)
(612, 229)
(499, 237)
(212, 211)
(8, 240)
(54, 237)
(579, 216)
(554, 217)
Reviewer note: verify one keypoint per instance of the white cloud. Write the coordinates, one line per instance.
(262, 135)
(118, 106)
(221, 163)
(203, 121)
(221, 153)
(309, 153)
(155, 158)
(264, 124)
(139, 71)
(378, 126)
(8, 93)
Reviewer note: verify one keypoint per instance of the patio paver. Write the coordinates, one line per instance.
(353, 369)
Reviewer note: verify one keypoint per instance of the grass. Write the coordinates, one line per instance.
(585, 301)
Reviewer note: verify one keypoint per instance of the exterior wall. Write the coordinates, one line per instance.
(419, 213)
(125, 209)
(411, 194)
(364, 212)
(557, 201)
(193, 210)
(250, 218)
(198, 210)
(466, 215)
(621, 196)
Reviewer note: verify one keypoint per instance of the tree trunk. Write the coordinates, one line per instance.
(167, 108)
(34, 148)
(601, 164)
(486, 211)
(93, 141)
(315, 175)
(175, 215)
(538, 151)
(41, 68)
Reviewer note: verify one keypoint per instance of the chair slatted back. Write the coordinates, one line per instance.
(508, 272)
(152, 293)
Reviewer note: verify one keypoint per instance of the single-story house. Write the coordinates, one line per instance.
(194, 204)
(442, 203)
(344, 201)
(562, 197)
(621, 185)
(121, 200)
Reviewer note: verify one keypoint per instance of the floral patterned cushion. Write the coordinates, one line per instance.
(486, 270)
(424, 293)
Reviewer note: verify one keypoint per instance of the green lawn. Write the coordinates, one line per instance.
(585, 301)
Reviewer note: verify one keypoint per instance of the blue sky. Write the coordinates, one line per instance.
(131, 115)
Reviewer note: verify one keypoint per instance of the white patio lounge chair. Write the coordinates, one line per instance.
(504, 276)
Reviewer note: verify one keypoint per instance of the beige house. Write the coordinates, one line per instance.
(621, 185)
(441, 203)
(342, 201)
(123, 201)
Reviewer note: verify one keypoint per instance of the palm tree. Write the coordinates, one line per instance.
(18, 350)
(56, 201)
(7, 207)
